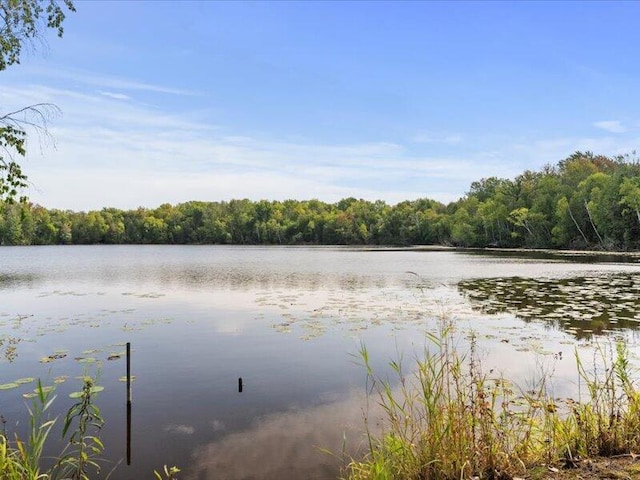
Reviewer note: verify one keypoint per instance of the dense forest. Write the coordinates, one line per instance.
(585, 201)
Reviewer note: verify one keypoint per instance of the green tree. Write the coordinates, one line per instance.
(630, 195)
(115, 225)
(154, 230)
(45, 229)
(462, 231)
(22, 26)
(214, 225)
(494, 218)
(89, 228)
(241, 221)
(594, 191)
(567, 227)
(11, 225)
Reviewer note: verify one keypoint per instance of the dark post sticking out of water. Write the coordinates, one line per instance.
(128, 433)
(128, 372)
(128, 403)
(240, 385)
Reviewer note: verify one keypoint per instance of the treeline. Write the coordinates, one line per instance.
(585, 201)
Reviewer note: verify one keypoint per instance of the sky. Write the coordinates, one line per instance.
(166, 102)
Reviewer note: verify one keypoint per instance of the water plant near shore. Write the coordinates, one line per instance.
(22, 459)
(80, 459)
(84, 447)
(448, 419)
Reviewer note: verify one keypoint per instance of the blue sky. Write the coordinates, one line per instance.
(176, 101)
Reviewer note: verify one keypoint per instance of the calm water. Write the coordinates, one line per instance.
(290, 323)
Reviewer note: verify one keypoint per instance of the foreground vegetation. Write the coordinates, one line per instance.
(23, 459)
(585, 201)
(450, 420)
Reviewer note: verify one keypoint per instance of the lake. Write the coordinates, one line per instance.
(288, 321)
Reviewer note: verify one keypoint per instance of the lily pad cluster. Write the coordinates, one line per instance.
(16, 383)
(583, 306)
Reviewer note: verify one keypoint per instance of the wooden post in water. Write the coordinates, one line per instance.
(240, 385)
(128, 403)
(128, 433)
(128, 372)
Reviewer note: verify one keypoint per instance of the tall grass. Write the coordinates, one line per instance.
(79, 460)
(448, 419)
(22, 459)
(608, 423)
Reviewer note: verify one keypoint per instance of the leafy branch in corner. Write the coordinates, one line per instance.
(22, 23)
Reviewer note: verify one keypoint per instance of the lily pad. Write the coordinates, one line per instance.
(60, 379)
(86, 359)
(9, 386)
(58, 354)
(124, 378)
(94, 389)
(46, 389)
(22, 381)
(29, 395)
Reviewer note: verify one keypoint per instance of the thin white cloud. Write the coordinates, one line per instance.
(612, 126)
(118, 83)
(448, 139)
(82, 110)
(104, 80)
(117, 96)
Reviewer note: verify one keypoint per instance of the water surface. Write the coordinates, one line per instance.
(290, 322)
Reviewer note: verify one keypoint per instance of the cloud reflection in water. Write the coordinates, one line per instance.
(289, 445)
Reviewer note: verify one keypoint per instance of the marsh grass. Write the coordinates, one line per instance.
(448, 419)
(81, 457)
(22, 459)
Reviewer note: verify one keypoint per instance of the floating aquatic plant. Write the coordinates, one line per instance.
(116, 355)
(91, 351)
(22, 381)
(58, 354)
(93, 390)
(85, 359)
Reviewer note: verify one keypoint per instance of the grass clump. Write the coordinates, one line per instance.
(22, 459)
(449, 419)
(81, 457)
(608, 423)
